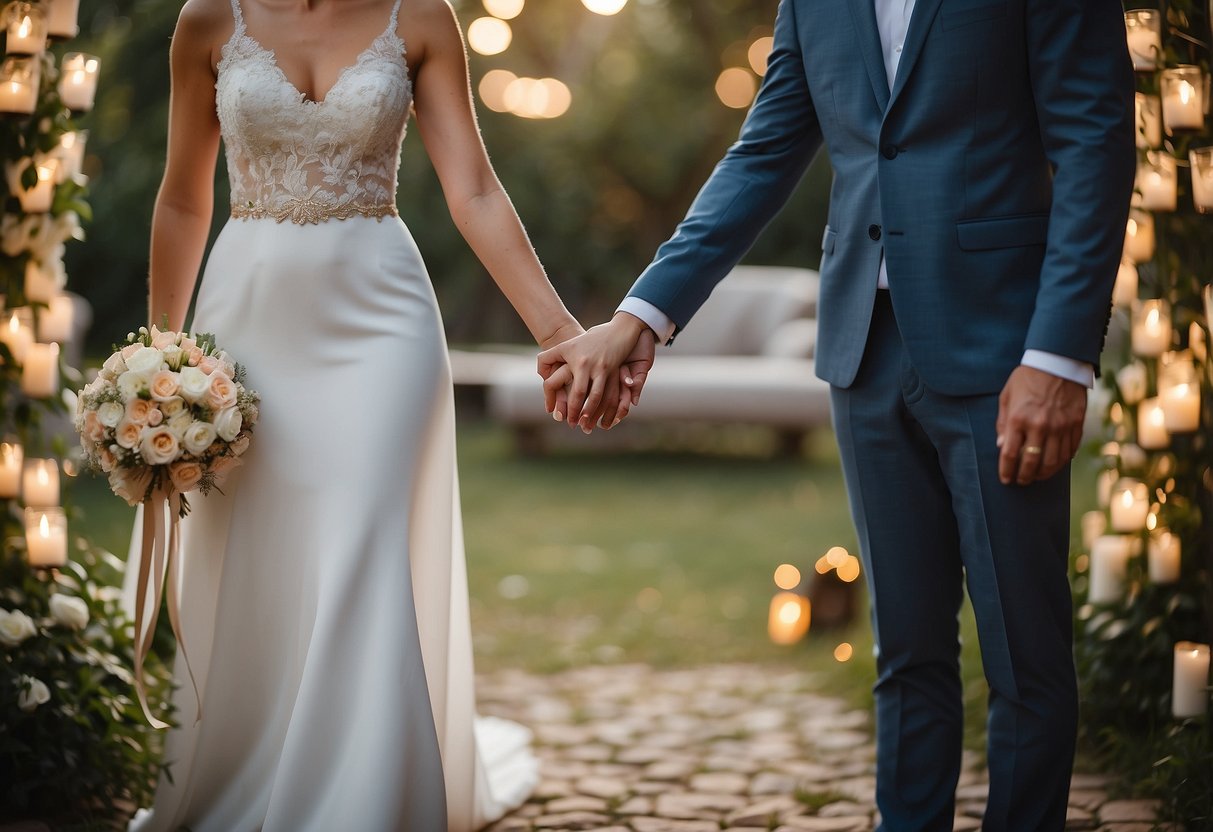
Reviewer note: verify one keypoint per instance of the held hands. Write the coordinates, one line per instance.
(597, 378)
(1039, 425)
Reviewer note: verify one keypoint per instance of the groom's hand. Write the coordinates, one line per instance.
(1040, 418)
(602, 373)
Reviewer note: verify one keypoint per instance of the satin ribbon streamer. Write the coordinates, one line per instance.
(159, 560)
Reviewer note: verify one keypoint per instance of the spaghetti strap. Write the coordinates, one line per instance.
(236, 13)
(392, 22)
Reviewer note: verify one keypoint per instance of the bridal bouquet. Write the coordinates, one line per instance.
(167, 414)
(168, 410)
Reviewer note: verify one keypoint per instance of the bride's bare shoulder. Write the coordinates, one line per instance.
(204, 20)
(427, 25)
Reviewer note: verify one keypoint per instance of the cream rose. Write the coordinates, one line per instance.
(161, 340)
(155, 417)
(146, 360)
(198, 437)
(127, 433)
(15, 627)
(159, 446)
(69, 611)
(131, 483)
(194, 384)
(228, 423)
(208, 364)
(193, 356)
(110, 414)
(184, 475)
(131, 384)
(222, 392)
(138, 411)
(33, 693)
(180, 423)
(164, 385)
(114, 366)
(187, 343)
(130, 349)
(171, 407)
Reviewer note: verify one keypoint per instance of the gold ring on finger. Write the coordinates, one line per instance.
(1033, 449)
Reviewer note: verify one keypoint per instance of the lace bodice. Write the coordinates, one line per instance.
(289, 158)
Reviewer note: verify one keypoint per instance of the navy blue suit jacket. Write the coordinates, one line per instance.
(995, 176)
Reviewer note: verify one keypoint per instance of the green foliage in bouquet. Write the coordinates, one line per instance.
(74, 748)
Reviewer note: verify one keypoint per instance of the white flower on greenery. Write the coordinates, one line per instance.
(131, 483)
(179, 424)
(110, 414)
(198, 437)
(194, 384)
(228, 423)
(70, 611)
(15, 627)
(159, 446)
(33, 693)
(131, 384)
(146, 360)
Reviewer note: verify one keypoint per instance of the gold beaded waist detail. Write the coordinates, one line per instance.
(311, 211)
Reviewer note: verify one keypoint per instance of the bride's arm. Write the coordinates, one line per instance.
(477, 202)
(182, 216)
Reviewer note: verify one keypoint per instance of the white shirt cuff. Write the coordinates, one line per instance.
(657, 320)
(1071, 369)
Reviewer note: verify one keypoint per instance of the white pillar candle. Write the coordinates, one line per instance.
(78, 81)
(1181, 408)
(40, 482)
(1094, 524)
(1148, 109)
(17, 333)
(40, 373)
(38, 199)
(1164, 557)
(1103, 486)
(19, 79)
(46, 536)
(1152, 425)
(1130, 505)
(789, 618)
(1151, 327)
(1190, 684)
(1143, 29)
(1131, 379)
(41, 283)
(71, 153)
(1124, 292)
(1202, 178)
(63, 18)
(55, 321)
(1139, 236)
(1183, 98)
(27, 29)
(1158, 181)
(1109, 563)
(11, 456)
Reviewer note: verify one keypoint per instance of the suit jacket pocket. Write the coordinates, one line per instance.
(1003, 232)
(960, 14)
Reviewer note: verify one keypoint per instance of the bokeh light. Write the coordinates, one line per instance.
(489, 36)
(848, 570)
(504, 9)
(537, 97)
(606, 7)
(735, 87)
(787, 576)
(837, 556)
(843, 652)
(823, 565)
(758, 53)
(493, 86)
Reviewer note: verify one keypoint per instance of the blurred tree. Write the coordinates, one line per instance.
(599, 187)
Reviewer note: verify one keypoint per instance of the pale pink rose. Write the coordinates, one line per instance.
(131, 484)
(131, 349)
(139, 410)
(222, 392)
(159, 446)
(155, 417)
(160, 340)
(208, 364)
(187, 343)
(107, 459)
(127, 433)
(93, 431)
(165, 385)
(184, 475)
(193, 356)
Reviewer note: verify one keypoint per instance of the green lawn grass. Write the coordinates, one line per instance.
(638, 556)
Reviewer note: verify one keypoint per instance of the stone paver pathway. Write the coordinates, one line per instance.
(631, 749)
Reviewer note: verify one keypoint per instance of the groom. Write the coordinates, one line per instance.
(983, 160)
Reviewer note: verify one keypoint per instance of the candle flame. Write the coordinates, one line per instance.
(14, 325)
(43, 477)
(1157, 416)
(44, 527)
(1186, 92)
(91, 67)
(45, 172)
(25, 27)
(78, 77)
(1152, 319)
(1126, 498)
(1132, 227)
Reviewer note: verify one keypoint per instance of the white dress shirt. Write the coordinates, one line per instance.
(892, 21)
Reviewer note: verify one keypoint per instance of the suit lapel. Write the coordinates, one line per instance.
(916, 36)
(863, 13)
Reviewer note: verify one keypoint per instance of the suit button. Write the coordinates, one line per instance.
(889, 151)
(874, 231)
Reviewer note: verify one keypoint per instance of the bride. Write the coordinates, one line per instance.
(325, 595)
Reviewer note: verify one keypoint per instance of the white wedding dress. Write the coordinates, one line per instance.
(324, 595)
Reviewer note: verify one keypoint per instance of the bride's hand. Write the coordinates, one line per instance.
(567, 332)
